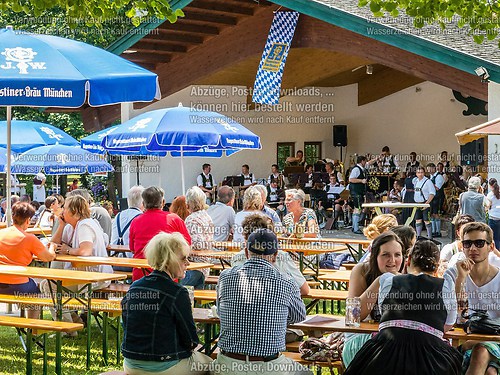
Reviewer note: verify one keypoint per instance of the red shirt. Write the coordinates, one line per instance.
(144, 227)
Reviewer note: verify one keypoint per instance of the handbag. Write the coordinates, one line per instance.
(325, 349)
(480, 322)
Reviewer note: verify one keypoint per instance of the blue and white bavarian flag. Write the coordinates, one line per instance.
(267, 85)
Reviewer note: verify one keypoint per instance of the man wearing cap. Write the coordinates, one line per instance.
(473, 202)
(255, 304)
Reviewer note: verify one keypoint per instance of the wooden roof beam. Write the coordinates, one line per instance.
(201, 15)
(227, 7)
(180, 25)
(160, 45)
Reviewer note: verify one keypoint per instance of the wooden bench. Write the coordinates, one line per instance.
(108, 309)
(36, 329)
(338, 365)
(116, 288)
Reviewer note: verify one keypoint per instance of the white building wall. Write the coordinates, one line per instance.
(422, 118)
(493, 140)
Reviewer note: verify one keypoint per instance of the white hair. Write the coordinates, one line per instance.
(134, 196)
(195, 199)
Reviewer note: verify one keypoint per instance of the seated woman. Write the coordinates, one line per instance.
(408, 237)
(79, 234)
(417, 309)
(380, 224)
(200, 227)
(51, 209)
(161, 339)
(387, 256)
(17, 248)
(299, 221)
(284, 262)
(179, 207)
(252, 204)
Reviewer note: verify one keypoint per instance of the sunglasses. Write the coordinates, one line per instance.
(477, 243)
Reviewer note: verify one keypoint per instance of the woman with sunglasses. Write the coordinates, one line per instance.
(417, 309)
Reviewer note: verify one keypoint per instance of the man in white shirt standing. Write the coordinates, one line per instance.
(438, 180)
(206, 182)
(424, 193)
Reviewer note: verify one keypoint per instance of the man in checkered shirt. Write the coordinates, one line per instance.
(255, 304)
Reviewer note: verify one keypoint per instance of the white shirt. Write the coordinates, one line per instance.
(386, 163)
(223, 218)
(486, 297)
(494, 212)
(425, 186)
(199, 180)
(14, 182)
(125, 217)
(355, 171)
(249, 179)
(438, 181)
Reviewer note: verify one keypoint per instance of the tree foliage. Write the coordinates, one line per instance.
(481, 17)
(95, 12)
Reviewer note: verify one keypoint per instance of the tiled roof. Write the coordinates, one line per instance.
(452, 36)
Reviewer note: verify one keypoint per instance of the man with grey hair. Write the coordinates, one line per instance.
(97, 212)
(153, 221)
(122, 221)
(253, 320)
(222, 213)
(268, 210)
(473, 202)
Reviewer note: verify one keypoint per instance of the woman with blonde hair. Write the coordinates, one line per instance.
(201, 229)
(252, 204)
(380, 224)
(161, 339)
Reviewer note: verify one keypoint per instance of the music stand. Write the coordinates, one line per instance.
(292, 170)
(233, 181)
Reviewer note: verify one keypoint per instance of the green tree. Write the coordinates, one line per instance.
(95, 12)
(480, 17)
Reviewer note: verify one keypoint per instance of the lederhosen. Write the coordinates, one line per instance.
(247, 178)
(358, 190)
(421, 214)
(279, 180)
(437, 201)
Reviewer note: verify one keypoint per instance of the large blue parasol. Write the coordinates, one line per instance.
(49, 71)
(182, 130)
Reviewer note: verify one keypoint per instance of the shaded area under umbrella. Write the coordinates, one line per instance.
(182, 130)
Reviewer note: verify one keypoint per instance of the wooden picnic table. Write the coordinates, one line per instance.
(64, 278)
(394, 205)
(120, 262)
(362, 243)
(299, 251)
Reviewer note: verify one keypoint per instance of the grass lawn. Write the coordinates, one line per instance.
(13, 357)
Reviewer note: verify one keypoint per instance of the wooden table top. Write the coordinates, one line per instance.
(118, 261)
(323, 294)
(305, 248)
(396, 205)
(326, 240)
(68, 277)
(118, 248)
(340, 276)
(213, 254)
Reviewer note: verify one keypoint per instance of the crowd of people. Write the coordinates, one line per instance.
(403, 281)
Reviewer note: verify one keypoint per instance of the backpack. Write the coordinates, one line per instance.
(335, 260)
(326, 349)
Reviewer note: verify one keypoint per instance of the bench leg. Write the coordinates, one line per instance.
(105, 337)
(44, 340)
(29, 352)
(118, 336)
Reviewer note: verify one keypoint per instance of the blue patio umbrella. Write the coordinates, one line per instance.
(49, 71)
(3, 159)
(29, 134)
(183, 130)
(60, 160)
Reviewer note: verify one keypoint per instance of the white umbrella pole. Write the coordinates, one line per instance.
(182, 171)
(57, 184)
(8, 182)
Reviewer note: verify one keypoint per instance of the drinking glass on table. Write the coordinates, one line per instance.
(353, 312)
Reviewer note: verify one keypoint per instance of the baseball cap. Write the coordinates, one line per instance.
(263, 242)
(474, 182)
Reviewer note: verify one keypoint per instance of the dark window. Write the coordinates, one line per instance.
(284, 150)
(312, 152)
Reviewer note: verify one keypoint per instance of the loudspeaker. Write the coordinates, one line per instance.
(472, 153)
(123, 204)
(340, 135)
